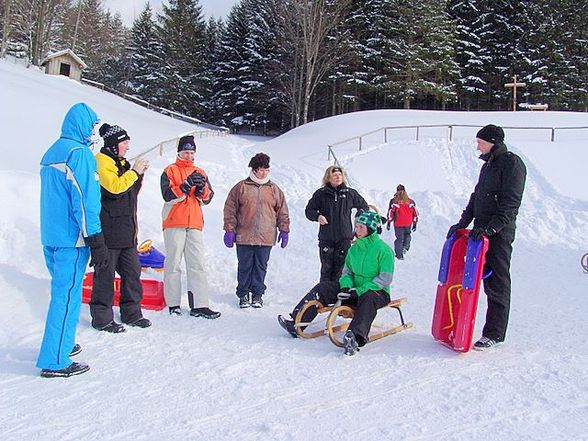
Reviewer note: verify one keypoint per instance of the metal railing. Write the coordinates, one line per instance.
(150, 106)
(450, 127)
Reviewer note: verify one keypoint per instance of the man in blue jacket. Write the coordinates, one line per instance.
(70, 232)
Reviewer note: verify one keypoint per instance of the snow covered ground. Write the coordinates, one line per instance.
(240, 377)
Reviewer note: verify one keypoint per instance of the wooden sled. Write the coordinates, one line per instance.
(338, 321)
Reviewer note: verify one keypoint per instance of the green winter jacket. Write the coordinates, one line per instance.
(369, 265)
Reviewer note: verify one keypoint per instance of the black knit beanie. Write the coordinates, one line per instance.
(491, 133)
(113, 135)
(186, 143)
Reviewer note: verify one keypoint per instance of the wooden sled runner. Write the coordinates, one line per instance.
(338, 321)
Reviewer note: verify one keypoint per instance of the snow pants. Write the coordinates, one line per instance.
(366, 307)
(498, 285)
(332, 257)
(125, 262)
(66, 267)
(189, 243)
(402, 242)
(252, 269)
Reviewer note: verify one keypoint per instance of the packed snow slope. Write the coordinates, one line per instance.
(240, 377)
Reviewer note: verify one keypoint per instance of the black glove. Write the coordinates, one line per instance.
(388, 226)
(413, 228)
(478, 232)
(454, 228)
(98, 251)
(197, 180)
(186, 186)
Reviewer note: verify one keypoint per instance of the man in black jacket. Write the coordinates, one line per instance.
(493, 206)
(119, 186)
(331, 207)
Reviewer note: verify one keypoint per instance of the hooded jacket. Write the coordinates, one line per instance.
(70, 192)
(498, 194)
(335, 204)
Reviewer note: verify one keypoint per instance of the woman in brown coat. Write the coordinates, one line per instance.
(255, 210)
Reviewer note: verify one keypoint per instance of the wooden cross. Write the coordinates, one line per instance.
(514, 91)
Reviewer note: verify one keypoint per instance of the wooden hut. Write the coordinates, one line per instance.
(64, 62)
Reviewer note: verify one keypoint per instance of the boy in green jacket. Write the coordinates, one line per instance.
(367, 275)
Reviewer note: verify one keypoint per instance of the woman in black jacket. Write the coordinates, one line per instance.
(119, 186)
(331, 207)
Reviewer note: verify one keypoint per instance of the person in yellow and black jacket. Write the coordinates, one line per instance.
(185, 188)
(119, 184)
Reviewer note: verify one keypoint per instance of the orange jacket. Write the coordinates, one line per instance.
(183, 210)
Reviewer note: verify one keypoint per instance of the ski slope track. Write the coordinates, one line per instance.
(241, 377)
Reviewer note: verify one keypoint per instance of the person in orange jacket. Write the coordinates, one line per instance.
(403, 213)
(185, 188)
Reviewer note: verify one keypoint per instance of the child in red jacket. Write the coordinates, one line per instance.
(403, 212)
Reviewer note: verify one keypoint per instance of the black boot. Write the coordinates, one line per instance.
(244, 301)
(140, 323)
(204, 312)
(113, 327)
(350, 345)
(288, 326)
(71, 370)
(175, 310)
(76, 350)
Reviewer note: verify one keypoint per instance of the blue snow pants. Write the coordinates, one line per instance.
(66, 267)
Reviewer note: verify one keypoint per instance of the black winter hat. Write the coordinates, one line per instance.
(113, 135)
(491, 133)
(400, 188)
(186, 143)
(261, 160)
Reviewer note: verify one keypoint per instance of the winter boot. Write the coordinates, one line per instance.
(140, 323)
(256, 302)
(175, 310)
(288, 326)
(244, 301)
(76, 350)
(72, 369)
(113, 327)
(485, 343)
(350, 345)
(207, 313)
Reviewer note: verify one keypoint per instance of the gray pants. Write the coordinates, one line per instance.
(402, 241)
(186, 242)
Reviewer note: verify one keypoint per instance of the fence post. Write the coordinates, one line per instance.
(417, 134)
(360, 143)
(552, 134)
(450, 133)
(385, 135)
(329, 153)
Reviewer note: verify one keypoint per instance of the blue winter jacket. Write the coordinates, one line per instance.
(70, 191)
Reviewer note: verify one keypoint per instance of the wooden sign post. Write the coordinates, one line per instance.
(514, 91)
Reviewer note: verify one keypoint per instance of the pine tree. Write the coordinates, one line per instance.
(146, 58)
(418, 52)
(470, 52)
(182, 33)
(228, 76)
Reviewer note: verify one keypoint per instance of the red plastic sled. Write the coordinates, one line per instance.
(460, 277)
(152, 292)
